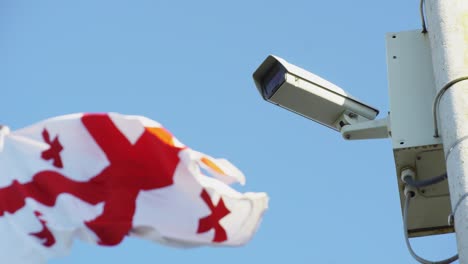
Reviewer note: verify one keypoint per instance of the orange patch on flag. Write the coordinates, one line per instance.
(162, 134)
(212, 165)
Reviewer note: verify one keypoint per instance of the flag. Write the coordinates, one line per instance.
(102, 177)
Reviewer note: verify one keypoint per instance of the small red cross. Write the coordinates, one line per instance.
(45, 235)
(53, 153)
(211, 221)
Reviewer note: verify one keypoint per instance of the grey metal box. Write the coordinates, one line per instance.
(412, 92)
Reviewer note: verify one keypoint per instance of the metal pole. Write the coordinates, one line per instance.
(447, 26)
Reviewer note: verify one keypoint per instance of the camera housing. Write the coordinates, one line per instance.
(307, 94)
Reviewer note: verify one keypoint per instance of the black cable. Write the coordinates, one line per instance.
(408, 197)
(440, 93)
(423, 20)
(424, 183)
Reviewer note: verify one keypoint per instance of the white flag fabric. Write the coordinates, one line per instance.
(102, 177)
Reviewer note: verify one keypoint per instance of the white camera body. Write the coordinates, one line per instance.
(307, 94)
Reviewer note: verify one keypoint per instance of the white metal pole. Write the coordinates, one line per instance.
(447, 25)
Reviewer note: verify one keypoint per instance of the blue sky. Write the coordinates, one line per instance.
(189, 65)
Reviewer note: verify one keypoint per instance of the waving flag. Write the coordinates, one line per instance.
(102, 177)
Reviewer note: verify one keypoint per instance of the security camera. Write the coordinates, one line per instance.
(306, 94)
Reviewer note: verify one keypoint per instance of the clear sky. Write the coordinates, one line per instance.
(189, 65)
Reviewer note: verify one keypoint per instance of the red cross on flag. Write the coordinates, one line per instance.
(102, 177)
